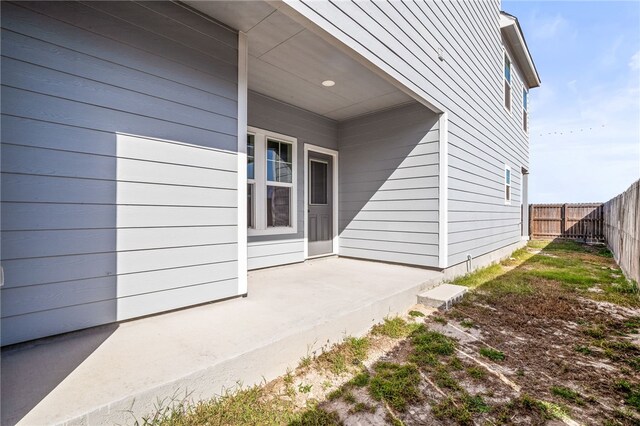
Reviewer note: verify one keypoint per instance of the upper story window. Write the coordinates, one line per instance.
(507, 184)
(507, 82)
(525, 114)
(271, 191)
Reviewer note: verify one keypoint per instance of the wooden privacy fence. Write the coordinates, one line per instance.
(617, 222)
(575, 221)
(622, 230)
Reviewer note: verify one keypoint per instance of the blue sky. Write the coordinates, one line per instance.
(585, 117)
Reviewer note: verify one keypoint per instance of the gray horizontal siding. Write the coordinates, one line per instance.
(389, 186)
(97, 225)
(93, 313)
(273, 253)
(308, 128)
(403, 39)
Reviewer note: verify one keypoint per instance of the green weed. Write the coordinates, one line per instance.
(305, 362)
(360, 380)
(439, 319)
(597, 332)
(335, 360)
(358, 347)
(475, 403)
(429, 345)
(242, 407)
(583, 349)
(444, 379)
(480, 276)
(448, 409)
(477, 373)
(317, 417)
(396, 384)
(568, 394)
(460, 409)
(348, 397)
(395, 328)
(335, 394)
(631, 393)
(344, 355)
(302, 388)
(466, 323)
(455, 364)
(492, 354)
(632, 325)
(361, 407)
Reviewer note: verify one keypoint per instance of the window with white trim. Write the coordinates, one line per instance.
(507, 82)
(271, 183)
(507, 184)
(525, 114)
(251, 182)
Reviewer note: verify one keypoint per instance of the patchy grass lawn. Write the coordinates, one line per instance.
(547, 336)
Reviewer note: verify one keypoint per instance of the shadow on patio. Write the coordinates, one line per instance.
(204, 349)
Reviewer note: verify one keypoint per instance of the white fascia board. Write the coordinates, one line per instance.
(513, 35)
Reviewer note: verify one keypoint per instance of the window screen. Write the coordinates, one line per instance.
(318, 182)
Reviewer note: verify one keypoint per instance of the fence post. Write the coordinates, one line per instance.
(530, 224)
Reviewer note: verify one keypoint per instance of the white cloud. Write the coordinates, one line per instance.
(634, 62)
(548, 26)
(610, 56)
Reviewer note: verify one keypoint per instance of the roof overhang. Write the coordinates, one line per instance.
(512, 34)
(288, 60)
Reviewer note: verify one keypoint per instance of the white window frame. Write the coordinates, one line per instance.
(507, 201)
(260, 181)
(505, 56)
(252, 181)
(525, 110)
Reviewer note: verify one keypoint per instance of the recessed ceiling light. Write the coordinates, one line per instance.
(328, 83)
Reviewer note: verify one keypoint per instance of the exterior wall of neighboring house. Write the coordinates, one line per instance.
(451, 55)
(307, 128)
(98, 226)
(389, 186)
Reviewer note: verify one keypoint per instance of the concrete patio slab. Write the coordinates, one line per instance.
(117, 373)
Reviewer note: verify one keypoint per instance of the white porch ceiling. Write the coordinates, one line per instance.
(288, 62)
